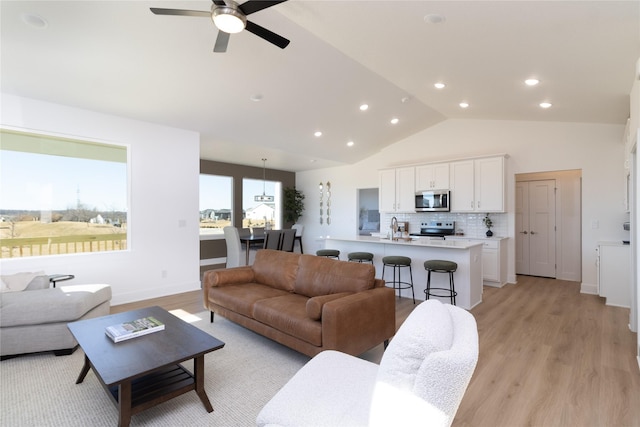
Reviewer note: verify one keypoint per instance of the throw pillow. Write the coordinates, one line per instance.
(20, 281)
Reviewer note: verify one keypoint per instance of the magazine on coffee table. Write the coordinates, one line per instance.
(134, 328)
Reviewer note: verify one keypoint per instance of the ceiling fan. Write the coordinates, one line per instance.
(231, 17)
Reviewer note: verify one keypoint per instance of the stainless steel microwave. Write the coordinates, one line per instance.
(433, 201)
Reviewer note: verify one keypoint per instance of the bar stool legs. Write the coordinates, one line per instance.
(440, 266)
(397, 263)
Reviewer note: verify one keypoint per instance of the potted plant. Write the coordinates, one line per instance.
(488, 223)
(292, 204)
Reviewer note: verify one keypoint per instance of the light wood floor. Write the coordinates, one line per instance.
(549, 356)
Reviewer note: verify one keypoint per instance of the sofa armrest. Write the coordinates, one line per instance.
(228, 276)
(358, 322)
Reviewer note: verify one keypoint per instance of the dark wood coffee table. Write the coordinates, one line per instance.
(144, 371)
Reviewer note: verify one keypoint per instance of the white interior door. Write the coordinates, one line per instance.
(542, 225)
(522, 228)
(535, 228)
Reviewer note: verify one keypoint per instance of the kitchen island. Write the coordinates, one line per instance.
(468, 256)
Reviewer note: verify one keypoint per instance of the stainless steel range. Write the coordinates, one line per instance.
(437, 229)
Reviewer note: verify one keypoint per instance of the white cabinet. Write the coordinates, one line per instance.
(494, 259)
(494, 262)
(432, 177)
(397, 190)
(614, 283)
(477, 185)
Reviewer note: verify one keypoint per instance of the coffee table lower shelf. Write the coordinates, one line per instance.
(156, 387)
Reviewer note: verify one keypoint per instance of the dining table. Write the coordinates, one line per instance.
(250, 239)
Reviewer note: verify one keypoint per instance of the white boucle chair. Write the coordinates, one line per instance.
(420, 381)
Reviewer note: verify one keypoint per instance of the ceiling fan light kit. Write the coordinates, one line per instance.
(228, 19)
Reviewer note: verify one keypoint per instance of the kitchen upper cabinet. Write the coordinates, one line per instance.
(477, 185)
(432, 177)
(397, 190)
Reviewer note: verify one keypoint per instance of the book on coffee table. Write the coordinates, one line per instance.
(134, 328)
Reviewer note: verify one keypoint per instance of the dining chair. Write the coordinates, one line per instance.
(272, 239)
(234, 250)
(288, 240)
(299, 229)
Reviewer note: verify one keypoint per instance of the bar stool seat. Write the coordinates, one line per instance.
(441, 266)
(360, 257)
(398, 262)
(328, 253)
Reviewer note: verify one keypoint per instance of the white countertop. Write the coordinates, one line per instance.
(476, 238)
(415, 241)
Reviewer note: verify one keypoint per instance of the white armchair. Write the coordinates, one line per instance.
(420, 381)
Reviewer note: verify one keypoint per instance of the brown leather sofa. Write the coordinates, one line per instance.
(305, 302)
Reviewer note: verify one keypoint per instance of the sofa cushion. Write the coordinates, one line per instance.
(314, 305)
(323, 276)
(61, 304)
(414, 343)
(276, 268)
(288, 314)
(240, 298)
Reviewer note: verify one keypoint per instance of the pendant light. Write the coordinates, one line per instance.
(263, 197)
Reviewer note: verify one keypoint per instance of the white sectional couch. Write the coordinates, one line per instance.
(35, 319)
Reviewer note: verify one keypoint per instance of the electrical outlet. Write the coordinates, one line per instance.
(164, 274)
(595, 224)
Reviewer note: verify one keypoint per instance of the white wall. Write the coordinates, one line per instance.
(532, 147)
(163, 253)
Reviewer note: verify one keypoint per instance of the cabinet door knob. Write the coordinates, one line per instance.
(523, 232)
(533, 232)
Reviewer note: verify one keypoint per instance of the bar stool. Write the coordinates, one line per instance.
(397, 263)
(360, 257)
(440, 266)
(328, 253)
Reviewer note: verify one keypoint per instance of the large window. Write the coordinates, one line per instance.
(216, 203)
(61, 196)
(259, 212)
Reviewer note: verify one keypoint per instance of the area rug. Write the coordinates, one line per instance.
(40, 390)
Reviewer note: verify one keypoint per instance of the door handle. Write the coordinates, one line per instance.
(523, 232)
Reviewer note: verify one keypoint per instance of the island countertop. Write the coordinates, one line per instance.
(413, 241)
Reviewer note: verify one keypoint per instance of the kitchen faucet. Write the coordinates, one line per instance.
(394, 228)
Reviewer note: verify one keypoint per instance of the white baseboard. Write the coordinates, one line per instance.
(588, 288)
(213, 261)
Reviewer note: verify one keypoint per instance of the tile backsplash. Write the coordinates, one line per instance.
(468, 223)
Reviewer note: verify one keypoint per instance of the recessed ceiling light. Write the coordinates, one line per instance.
(350, 144)
(364, 107)
(531, 82)
(434, 18)
(405, 99)
(312, 160)
(256, 98)
(394, 121)
(35, 21)
(317, 134)
(439, 85)
(545, 105)
(464, 105)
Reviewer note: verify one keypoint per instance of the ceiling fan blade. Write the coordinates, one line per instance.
(253, 6)
(219, 2)
(221, 42)
(269, 36)
(181, 12)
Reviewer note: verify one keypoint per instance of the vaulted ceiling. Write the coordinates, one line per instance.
(257, 101)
